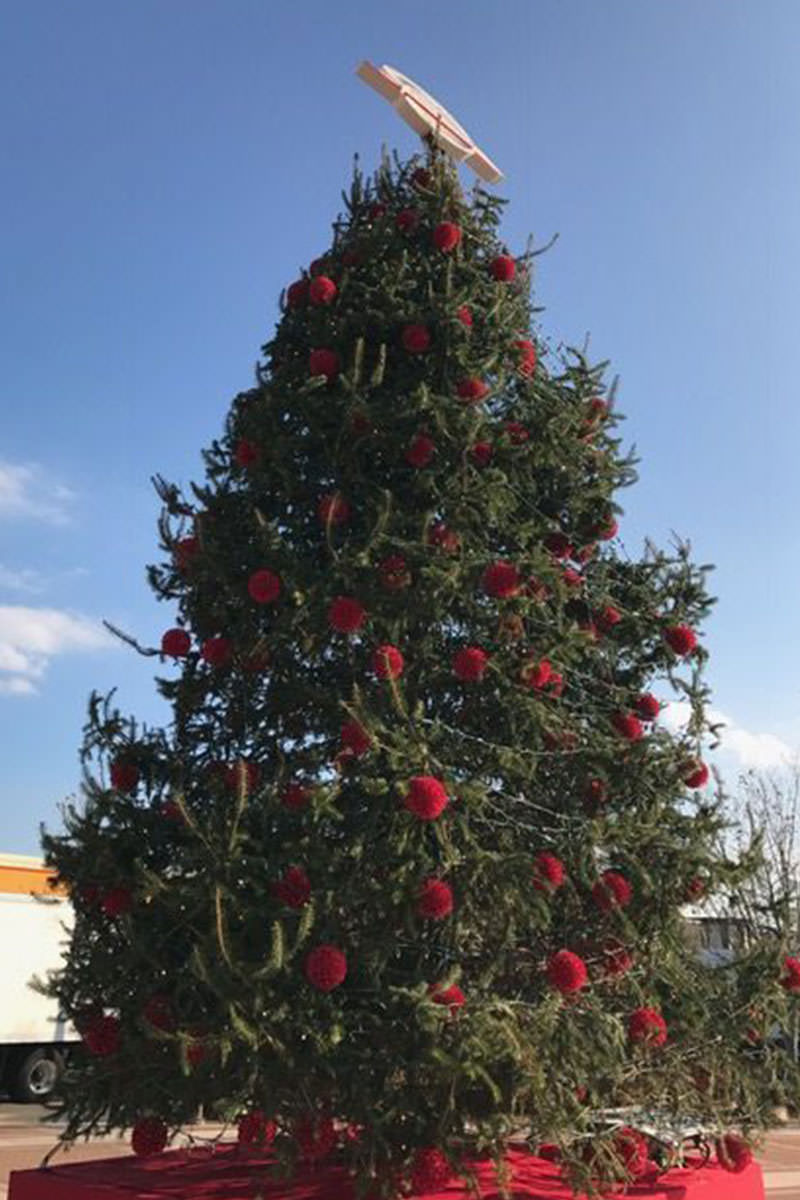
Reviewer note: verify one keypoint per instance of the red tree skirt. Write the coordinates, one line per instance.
(231, 1175)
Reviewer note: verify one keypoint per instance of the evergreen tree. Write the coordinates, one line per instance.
(402, 880)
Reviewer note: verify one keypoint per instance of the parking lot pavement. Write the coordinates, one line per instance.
(24, 1141)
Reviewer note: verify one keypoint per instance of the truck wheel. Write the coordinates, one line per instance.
(35, 1076)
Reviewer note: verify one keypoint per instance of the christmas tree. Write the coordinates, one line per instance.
(402, 879)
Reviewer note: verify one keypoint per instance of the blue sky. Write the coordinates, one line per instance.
(170, 164)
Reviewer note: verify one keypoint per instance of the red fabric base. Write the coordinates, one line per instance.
(230, 1175)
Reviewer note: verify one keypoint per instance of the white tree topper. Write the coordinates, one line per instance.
(428, 117)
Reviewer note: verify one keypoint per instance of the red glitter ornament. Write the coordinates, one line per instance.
(572, 578)
(566, 972)
(434, 900)
(444, 538)
(733, 1153)
(501, 580)
(472, 389)
(394, 574)
(790, 979)
(481, 453)
(297, 293)
(517, 433)
(612, 891)
(420, 451)
(197, 1051)
(355, 738)
(628, 726)
(416, 339)
(124, 775)
(294, 888)
(535, 675)
(407, 220)
(149, 1136)
(446, 236)
(116, 901)
(246, 454)
(430, 1171)
(470, 664)
(388, 662)
(264, 586)
(326, 968)
(325, 362)
(606, 618)
(648, 707)
(526, 356)
(322, 290)
(346, 615)
(681, 639)
(333, 509)
(548, 872)
(630, 1147)
(696, 774)
(315, 1138)
(452, 997)
(158, 1013)
(426, 798)
(185, 551)
(376, 211)
(101, 1036)
(176, 643)
(646, 1026)
(256, 1129)
(318, 267)
(295, 795)
(559, 545)
(216, 651)
(503, 268)
(464, 315)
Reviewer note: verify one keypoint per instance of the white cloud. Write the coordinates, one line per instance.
(23, 579)
(747, 748)
(27, 491)
(31, 637)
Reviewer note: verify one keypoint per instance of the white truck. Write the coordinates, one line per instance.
(34, 1039)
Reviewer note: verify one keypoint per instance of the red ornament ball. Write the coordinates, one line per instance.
(333, 509)
(471, 389)
(501, 580)
(517, 433)
(464, 315)
(158, 1013)
(297, 293)
(444, 538)
(185, 551)
(124, 775)
(503, 268)
(426, 797)
(612, 891)
(346, 615)
(176, 643)
(326, 968)
(216, 651)
(630, 1147)
(420, 451)
(548, 872)
(434, 900)
(149, 1136)
(322, 290)
(526, 356)
(681, 639)
(647, 1026)
(790, 979)
(559, 545)
(315, 1138)
(470, 664)
(446, 236)
(416, 339)
(430, 1171)
(256, 1129)
(246, 454)
(264, 586)
(294, 888)
(452, 997)
(481, 453)
(697, 774)
(733, 1153)
(324, 362)
(101, 1036)
(536, 675)
(407, 220)
(388, 662)
(318, 267)
(295, 796)
(116, 901)
(394, 574)
(355, 739)
(628, 726)
(566, 972)
(648, 707)
(606, 618)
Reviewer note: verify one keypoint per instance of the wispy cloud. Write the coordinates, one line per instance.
(31, 637)
(749, 749)
(27, 491)
(22, 579)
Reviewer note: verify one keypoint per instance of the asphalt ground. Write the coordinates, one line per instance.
(24, 1141)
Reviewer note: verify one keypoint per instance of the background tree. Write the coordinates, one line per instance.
(403, 877)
